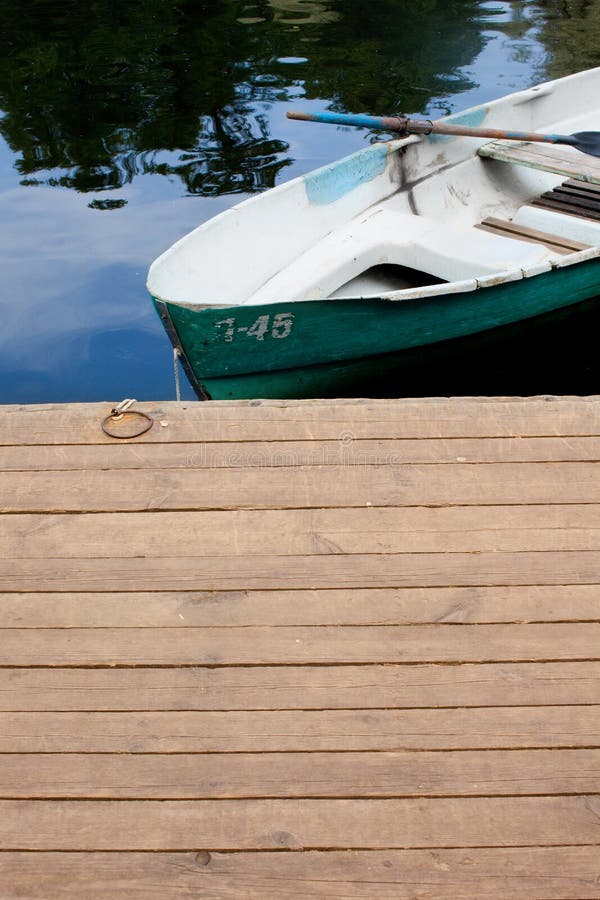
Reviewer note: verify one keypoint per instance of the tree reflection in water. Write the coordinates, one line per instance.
(97, 93)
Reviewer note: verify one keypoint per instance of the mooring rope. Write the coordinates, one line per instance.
(176, 355)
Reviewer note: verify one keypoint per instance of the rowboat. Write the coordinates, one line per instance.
(411, 242)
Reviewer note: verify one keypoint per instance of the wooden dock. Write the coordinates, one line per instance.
(301, 650)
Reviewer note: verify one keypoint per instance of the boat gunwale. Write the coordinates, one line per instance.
(435, 291)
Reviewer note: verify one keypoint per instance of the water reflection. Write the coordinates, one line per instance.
(304, 12)
(98, 94)
(95, 94)
(570, 32)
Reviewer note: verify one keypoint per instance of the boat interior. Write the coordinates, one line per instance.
(508, 211)
(396, 254)
(530, 225)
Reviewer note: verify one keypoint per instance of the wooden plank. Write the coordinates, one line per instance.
(546, 157)
(567, 727)
(523, 231)
(585, 187)
(235, 573)
(311, 420)
(461, 484)
(298, 775)
(298, 645)
(557, 873)
(503, 232)
(577, 197)
(302, 531)
(347, 451)
(550, 202)
(301, 687)
(297, 824)
(532, 235)
(356, 606)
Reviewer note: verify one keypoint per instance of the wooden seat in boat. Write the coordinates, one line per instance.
(565, 219)
(559, 160)
(574, 198)
(520, 232)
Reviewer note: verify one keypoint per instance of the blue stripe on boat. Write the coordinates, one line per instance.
(328, 184)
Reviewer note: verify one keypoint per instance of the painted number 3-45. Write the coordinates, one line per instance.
(277, 326)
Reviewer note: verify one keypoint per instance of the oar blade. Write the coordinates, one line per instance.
(588, 142)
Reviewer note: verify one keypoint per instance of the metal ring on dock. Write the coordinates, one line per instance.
(118, 412)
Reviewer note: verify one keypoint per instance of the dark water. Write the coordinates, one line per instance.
(124, 125)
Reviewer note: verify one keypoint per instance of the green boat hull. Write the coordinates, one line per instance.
(330, 348)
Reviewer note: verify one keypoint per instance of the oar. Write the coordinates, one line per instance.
(586, 141)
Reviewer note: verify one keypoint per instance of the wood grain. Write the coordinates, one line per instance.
(548, 158)
(297, 487)
(297, 824)
(346, 451)
(586, 187)
(301, 687)
(349, 606)
(274, 573)
(579, 199)
(557, 873)
(558, 202)
(555, 242)
(424, 418)
(276, 626)
(300, 645)
(309, 775)
(299, 731)
(303, 531)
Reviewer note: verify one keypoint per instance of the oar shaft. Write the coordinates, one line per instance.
(386, 123)
(415, 126)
